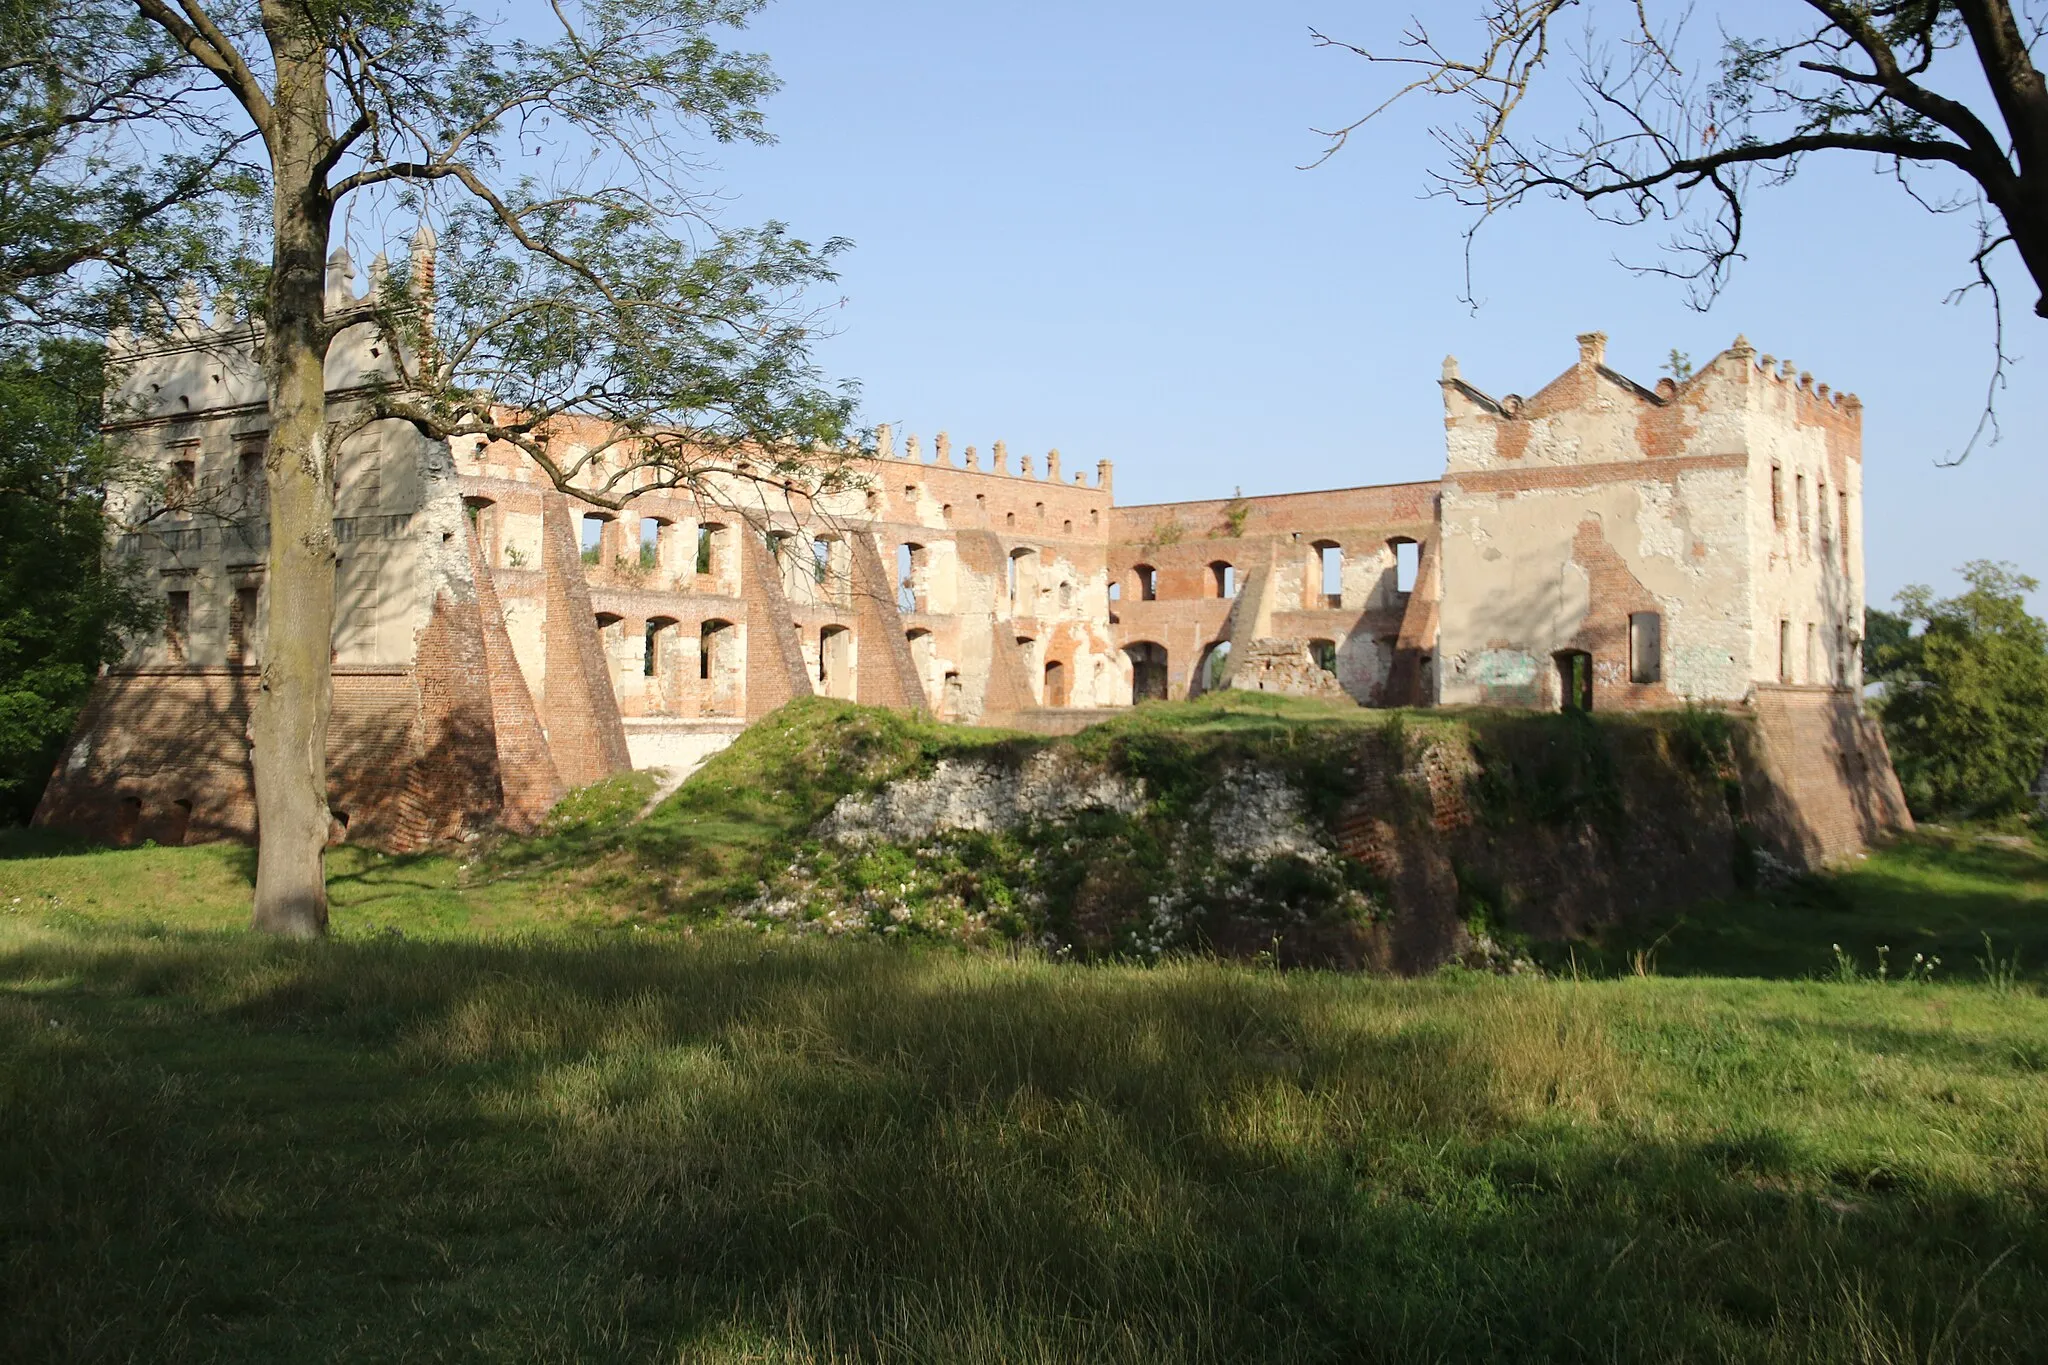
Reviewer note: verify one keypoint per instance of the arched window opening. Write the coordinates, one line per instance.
(1324, 652)
(1407, 563)
(1574, 680)
(1067, 528)
(910, 582)
(483, 515)
(594, 524)
(1222, 579)
(1215, 663)
(1066, 594)
(1645, 647)
(1148, 582)
(1023, 582)
(715, 643)
(177, 824)
(1148, 671)
(835, 661)
(1009, 518)
(660, 632)
(1330, 567)
(652, 529)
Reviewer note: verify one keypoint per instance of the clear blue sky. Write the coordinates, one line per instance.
(1081, 225)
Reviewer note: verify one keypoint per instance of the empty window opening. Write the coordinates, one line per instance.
(704, 548)
(1324, 653)
(981, 506)
(660, 631)
(650, 541)
(952, 695)
(821, 559)
(1645, 647)
(1066, 595)
(1799, 502)
(1040, 508)
(1820, 512)
(251, 475)
(1148, 671)
(1222, 579)
(1148, 582)
(832, 642)
(593, 538)
(714, 643)
(1116, 592)
(1812, 661)
(1842, 527)
(1215, 663)
(1054, 690)
(1575, 680)
(1784, 651)
(1407, 565)
(1330, 557)
(909, 577)
(183, 482)
(1023, 582)
(178, 623)
(946, 513)
(910, 495)
(1066, 528)
(1778, 496)
(1009, 518)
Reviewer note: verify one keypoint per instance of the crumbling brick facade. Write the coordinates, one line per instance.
(1599, 544)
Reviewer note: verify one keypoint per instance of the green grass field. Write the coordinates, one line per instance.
(532, 1124)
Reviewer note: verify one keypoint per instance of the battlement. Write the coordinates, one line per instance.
(999, 460)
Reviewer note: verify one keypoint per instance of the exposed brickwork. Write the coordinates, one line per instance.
(584, 729)
(775, 664)
(888, 676)
(527, 775)
(1824, 788)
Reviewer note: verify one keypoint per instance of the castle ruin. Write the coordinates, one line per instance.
(1597, 545)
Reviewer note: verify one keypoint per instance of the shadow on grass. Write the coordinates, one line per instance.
(225, 1149)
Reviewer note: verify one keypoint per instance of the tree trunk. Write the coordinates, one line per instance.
(291, 707)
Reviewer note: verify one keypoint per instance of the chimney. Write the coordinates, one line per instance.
(1592, 349)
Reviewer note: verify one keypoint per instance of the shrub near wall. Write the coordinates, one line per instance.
(1249, 827)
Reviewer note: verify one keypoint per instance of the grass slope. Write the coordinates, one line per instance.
(530, 1129)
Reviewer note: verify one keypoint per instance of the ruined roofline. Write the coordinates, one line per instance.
(1592, 359)
(942, 458)
(192, 325)
(1267, 497)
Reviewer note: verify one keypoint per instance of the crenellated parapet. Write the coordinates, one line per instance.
(1027, 469)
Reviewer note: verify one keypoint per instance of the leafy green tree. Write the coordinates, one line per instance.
(1966, 702)
(582, 273)
(1885, 634)
(64, 606)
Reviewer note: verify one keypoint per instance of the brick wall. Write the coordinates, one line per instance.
(1823, 788)
(581, 711)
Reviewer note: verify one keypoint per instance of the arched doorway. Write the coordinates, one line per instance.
(1148, 671)
(1055, 690)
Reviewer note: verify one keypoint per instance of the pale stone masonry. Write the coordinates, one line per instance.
(1599, 543)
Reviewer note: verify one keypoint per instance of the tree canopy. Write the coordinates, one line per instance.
(64, 607)
(1966, 694)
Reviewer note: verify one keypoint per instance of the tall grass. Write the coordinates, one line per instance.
(738, 1149)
